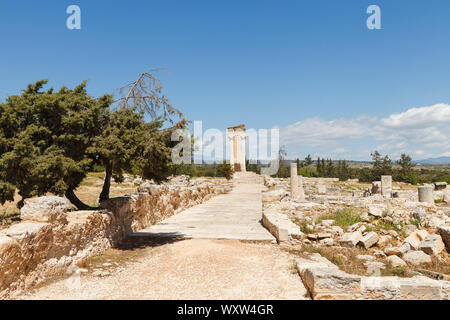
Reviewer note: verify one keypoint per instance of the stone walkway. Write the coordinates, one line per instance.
(236, 215)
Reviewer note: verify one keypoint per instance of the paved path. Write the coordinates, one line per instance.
(236, 215)
(186, 269)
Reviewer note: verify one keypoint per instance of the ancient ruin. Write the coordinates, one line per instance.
(236, 137)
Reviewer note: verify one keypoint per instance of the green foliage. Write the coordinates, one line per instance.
(44, 136)
(225, 170)
(343, 218)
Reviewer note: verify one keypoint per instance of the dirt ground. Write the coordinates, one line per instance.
(188, 269)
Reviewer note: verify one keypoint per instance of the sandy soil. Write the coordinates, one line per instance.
(188, 269)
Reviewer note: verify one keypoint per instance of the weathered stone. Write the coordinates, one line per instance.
(350, 239)
(280, 225)
(420, 214)
(275, 195)
(386, 186)
(374, 267)
(45, 209)
(376, 210)
(327, 223)
(415, 238)
(446, 198)
(327, 242)
(365, 257)
(416, 257)
(354, 227)
(369, 240)
(324, 235)
(325, 281)
(396, 261)
(440, 186)
(321, 189)
(25, 229)
(426, 194)
(390, 251)
(444, 231)
(432, 244)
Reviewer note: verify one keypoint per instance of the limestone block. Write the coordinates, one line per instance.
(416, 238)
(432, 244)
(350, 239)
(275, 195)
(396, 261)
(376, 210)
(45, 209)
(426, 194)
(369, 240)
(416, 257)
(281, 227)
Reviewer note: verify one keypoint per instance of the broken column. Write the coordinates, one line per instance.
(301, 190)
(386, 186)
(426, 194)
(294, 181)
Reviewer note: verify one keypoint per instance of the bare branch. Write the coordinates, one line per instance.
(146, 94)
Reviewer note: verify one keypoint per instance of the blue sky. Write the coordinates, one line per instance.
(311, 68)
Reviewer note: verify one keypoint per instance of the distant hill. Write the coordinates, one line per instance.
(441, 160)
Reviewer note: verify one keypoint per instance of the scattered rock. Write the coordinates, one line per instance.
(365, 257)
(376, 210)
(420, 214)
(369, 240)
(327, 223)
(416, 238)
(432, 244)
(350, 239)
(275, 195)
(416, 257)
(374, 267)
(395, 261)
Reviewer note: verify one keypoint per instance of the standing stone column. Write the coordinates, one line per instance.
(386, 186)
(426, 194)
(301, 190)
(294, 181)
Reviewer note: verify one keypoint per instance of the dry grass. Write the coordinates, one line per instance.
(88, 192)
(345, 259)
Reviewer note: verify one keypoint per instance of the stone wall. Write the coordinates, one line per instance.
(325, 281)
(50, 241)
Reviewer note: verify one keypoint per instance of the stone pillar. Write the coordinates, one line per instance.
(426, 194)
(243, 147)
(294, 181)
(301, 190)
(386, 186)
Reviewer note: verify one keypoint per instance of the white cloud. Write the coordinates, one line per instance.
(423, 117)
(421, 132)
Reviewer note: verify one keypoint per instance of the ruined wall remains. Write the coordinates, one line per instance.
(51, 240)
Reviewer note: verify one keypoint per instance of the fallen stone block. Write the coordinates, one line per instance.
(369, 240)
(416, 257)
(275, 195)
(416, 238)
(325, 281)
(281, 227)
(376, 210)
(351, 239)
(395, 261)
(432, 244)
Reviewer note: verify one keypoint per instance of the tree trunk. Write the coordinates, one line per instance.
(107, 184)
(77, 202)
